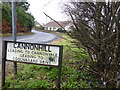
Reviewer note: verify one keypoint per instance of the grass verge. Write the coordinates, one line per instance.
(9, 34)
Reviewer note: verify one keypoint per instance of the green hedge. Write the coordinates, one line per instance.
(24, 18)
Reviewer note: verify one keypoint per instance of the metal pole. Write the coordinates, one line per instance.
(14, 30)
(59, 68)
(3, 64)
(3, 73)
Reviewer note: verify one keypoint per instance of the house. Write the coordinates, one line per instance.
(54, 26)
(37, 24)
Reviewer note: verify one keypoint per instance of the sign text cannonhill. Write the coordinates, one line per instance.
(43, 54)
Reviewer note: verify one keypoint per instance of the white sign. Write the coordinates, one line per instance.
(33, 53)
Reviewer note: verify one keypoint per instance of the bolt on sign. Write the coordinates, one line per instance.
(32, 53)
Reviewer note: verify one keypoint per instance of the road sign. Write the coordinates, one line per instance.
(33, 53)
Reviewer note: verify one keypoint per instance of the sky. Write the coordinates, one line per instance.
(53, 8)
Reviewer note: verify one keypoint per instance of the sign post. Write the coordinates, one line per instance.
(60, 68)
(3, 64)
(14, 30)
(32, 53)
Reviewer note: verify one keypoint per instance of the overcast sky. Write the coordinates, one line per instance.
(53, 8)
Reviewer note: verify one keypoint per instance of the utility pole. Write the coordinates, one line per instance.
(14, 30)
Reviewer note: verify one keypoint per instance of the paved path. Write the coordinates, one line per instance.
(38, 37)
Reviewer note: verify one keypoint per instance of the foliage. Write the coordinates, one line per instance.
(39, 28)
(25, 21)
(24, 5)
(6, 13)
(97, 29)
(31, 76)
(76, 72)
(60, 30)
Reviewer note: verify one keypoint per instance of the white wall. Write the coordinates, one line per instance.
(52, 29)
(37, 25)
(68, 27)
